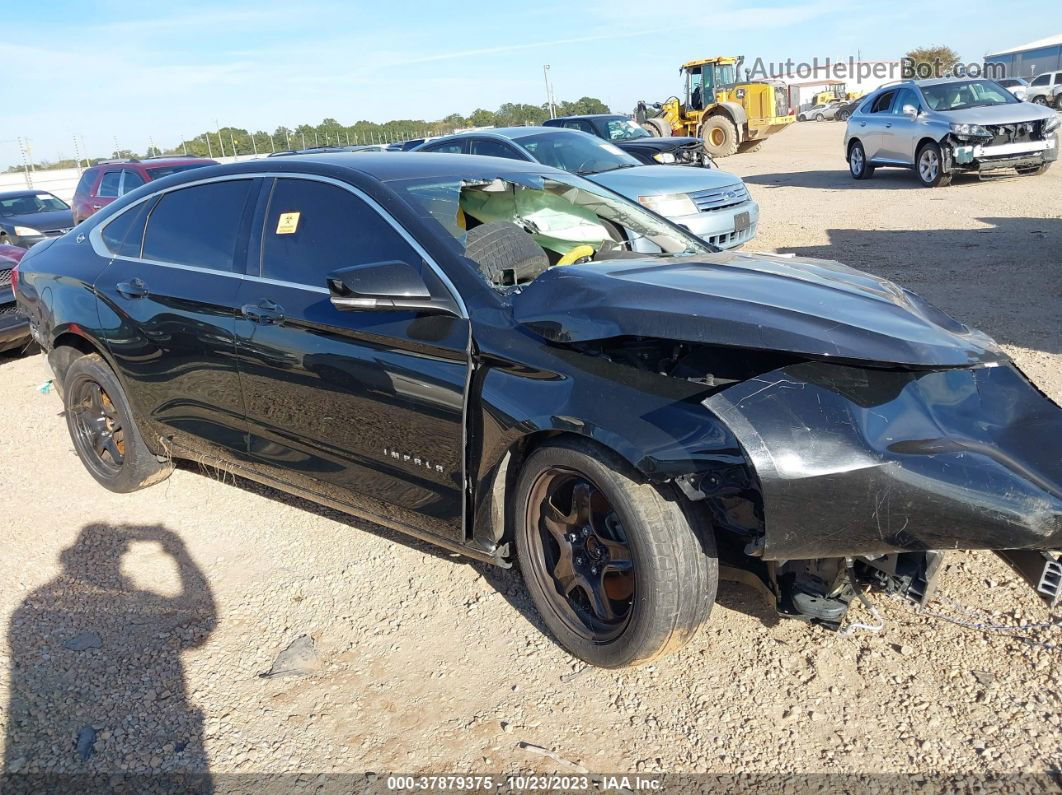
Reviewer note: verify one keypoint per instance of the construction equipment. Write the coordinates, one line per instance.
(836, 93)
(730, 115)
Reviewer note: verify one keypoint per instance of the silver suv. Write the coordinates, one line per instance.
(946, 126)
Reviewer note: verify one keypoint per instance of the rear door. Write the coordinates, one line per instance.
(363, 408)
(108, 190)
(492, 147)
(168, 301)
(871, 125)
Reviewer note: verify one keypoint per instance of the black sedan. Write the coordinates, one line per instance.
(636, 141)
(470, 350)
(30, 216)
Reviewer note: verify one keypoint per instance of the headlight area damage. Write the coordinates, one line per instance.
(877, 431)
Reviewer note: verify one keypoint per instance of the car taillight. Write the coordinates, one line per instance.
(14, 279)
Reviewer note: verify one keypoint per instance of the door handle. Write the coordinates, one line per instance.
(96, 206)
(264, 313)
(862, 124)
(888, 126)
(133, 288)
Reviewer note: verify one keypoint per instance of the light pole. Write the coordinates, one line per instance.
(551, 101)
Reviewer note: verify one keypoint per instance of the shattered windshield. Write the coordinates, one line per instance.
(970, 94)
(517, 227)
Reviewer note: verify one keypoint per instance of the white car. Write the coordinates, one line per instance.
(819, 112)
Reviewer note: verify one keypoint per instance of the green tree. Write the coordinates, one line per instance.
(923, 62)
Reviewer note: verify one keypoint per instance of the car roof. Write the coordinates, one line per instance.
(386, 166)
(513, 133)
(592, 116)
(15, 194)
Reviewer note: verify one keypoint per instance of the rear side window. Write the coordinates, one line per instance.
(84, 185)
(125, 234)
(1058, 78)
(451, 147)
(492, 148)
(1042, 80)
(110, 184)
(312, 228)
(882, 103)
(198, 226)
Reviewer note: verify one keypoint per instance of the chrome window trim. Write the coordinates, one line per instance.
(96, 235)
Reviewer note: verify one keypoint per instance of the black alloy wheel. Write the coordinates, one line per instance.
(98, 432)
(576, 532)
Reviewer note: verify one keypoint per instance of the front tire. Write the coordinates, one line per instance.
(1040, 100)
(819, 117)
(929, 165)
(616, 571)
(720, 136)
(103, 431)
(858, 166)
(658, 128)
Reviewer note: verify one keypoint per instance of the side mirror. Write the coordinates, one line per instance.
(910, 110)
(392, 286)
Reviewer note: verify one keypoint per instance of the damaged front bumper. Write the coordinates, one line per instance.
(967, 156)
(857, 462)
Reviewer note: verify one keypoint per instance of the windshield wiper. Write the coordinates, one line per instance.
(584, 172)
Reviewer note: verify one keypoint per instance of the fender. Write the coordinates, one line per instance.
(736, 113)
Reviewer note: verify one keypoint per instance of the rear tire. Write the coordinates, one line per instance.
(103, 431)
(654, 578)
(720, 136)
(819, 117)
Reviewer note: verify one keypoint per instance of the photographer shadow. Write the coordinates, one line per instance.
(97, 685)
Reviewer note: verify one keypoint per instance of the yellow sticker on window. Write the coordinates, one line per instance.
(287, 223)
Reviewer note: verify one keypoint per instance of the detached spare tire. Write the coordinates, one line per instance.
(505, 253)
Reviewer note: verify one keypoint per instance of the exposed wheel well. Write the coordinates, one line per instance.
(848, 151)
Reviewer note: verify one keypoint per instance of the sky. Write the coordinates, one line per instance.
(135, 72)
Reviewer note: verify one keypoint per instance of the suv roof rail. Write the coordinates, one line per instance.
(119, 160)
(170, 157)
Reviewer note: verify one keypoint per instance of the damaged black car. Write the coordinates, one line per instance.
(518, 365)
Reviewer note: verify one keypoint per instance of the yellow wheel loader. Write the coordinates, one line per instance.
(730, 115)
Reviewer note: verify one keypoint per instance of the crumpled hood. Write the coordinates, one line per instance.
(813, 307)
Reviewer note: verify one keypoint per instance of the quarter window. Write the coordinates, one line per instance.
(124, 236)
(313, 228)
(198, 226)
(110, 184)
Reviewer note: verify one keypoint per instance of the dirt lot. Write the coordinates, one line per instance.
(136, 627)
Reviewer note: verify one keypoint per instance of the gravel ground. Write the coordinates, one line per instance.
(138, 626)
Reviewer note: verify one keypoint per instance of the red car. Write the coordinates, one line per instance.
(103, 183)
(14, 328)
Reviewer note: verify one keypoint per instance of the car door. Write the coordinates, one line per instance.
(364, 408)
(870, 125)
(168, 304)
(901, 132)
(109, 189)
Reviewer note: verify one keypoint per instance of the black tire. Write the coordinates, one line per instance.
(749, 146)
(858, 166)
(658, 128)
(720, 136)
(929, 166)
(108, 444)
(1040, 100)
(505, 253)
(842, 115)
(673, 572)
(819, 117)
